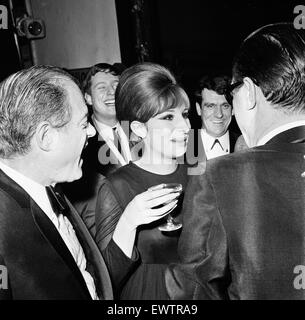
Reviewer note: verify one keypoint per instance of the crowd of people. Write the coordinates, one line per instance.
(108, 193)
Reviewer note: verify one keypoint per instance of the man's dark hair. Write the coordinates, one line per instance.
(274, 58)
(115, 69)
(217, 83)
(28, 98)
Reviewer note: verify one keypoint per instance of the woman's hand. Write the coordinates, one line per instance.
(143, 209)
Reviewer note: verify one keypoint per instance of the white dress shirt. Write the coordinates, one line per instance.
(106, 132)
(217, 150)
(278, 130)
(38, 193)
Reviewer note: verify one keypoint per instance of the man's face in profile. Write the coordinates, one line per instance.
(215, 113)
(72, 138)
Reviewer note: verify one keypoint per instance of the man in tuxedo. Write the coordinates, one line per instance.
(45, 246)
(214, 138)
(109, 149)
(243, 233)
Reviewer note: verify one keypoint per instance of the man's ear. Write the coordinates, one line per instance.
(139, 128)
(251, 92)
(88, 99)
(45, 136)
(198, 108)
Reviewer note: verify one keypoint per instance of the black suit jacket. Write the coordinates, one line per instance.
(39, 264)
(244, 225)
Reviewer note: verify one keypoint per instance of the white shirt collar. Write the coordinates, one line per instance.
(278, 130)
(224, 139)
(217, 151)
(105, 131)
(35, 190)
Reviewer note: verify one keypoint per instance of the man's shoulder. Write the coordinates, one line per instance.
(247, 158)
(13, 209)
(11, 192)
(234, 161)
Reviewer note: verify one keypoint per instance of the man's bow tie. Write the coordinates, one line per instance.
(216, 141)
(57, 200)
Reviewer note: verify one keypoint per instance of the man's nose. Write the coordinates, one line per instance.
(218, 112)
(111, 90)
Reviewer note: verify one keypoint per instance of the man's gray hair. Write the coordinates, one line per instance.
(28, 98)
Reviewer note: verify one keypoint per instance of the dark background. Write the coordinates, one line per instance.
(192, 37)
(196, 37)
(9, 58)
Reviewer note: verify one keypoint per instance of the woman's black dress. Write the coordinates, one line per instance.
(157, 249)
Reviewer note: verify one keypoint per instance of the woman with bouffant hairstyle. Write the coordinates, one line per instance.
(156, 107)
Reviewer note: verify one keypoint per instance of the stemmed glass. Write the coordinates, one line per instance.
(171, 224)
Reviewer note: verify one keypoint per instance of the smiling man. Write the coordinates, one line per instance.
(45, 246)
(109, 149)
(216, 114)
(243, 225)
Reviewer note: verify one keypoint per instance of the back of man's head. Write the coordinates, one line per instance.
(273, 57)
(28, 98)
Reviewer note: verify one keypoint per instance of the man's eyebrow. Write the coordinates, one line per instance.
(99, 83)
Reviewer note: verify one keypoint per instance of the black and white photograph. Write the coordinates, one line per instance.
(152, 153)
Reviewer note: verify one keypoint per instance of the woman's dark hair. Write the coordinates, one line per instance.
(145, 90)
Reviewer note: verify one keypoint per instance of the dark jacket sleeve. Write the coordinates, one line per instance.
(119, 265)
(202, 273)
(108, 212)
(86, 204)
(83, 195)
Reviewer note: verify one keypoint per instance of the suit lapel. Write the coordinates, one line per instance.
(52, 235)
(92, 254)
(45, 226)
